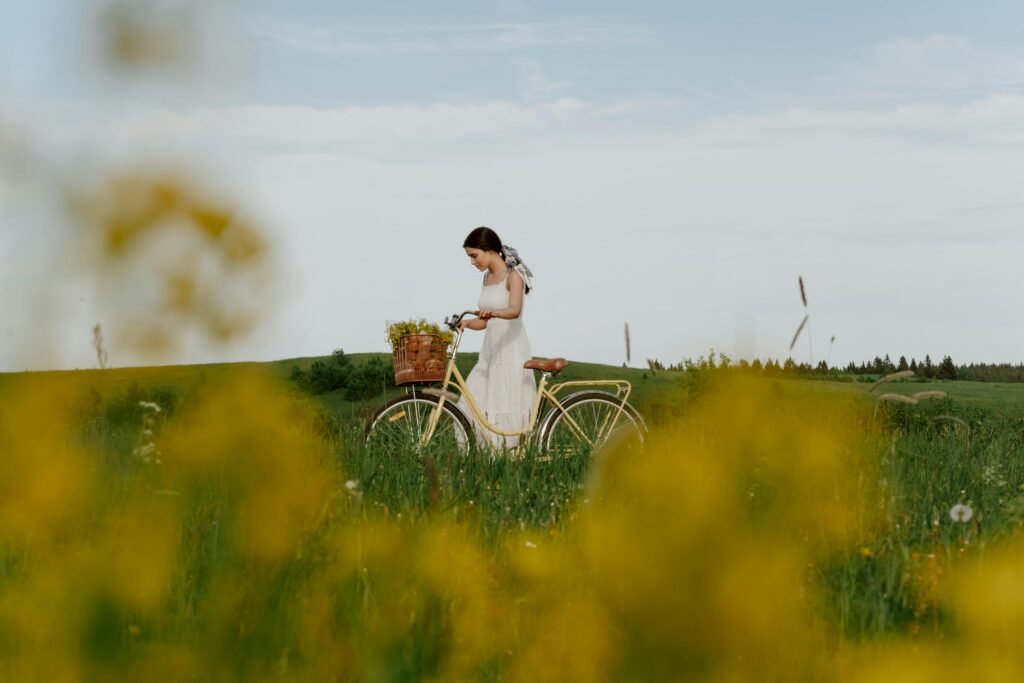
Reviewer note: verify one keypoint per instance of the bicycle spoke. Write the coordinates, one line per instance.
(591, 424)
(399, 429)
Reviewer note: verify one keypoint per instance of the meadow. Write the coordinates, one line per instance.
(215, 523)
(221, 523)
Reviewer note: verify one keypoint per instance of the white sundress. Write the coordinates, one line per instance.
(503, 389)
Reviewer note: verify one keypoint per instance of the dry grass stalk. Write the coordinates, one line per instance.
(929, 394)
(892, 378)
(800, 329)
(97, 345)
(628, 359)
(435, 484)
(897, 398)
(803, 294)
(951, 418)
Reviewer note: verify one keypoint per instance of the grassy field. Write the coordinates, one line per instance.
(658, 395)
(991, 398)
(215, 523)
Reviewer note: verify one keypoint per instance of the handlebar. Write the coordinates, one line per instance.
(454, 319)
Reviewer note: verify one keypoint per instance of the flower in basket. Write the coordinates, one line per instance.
(418, 356)
(401, 328)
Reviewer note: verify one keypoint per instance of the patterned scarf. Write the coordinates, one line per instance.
(513, 261)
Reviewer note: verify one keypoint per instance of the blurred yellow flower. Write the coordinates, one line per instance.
(172, 261)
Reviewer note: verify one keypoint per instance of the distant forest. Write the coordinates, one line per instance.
(879, 366)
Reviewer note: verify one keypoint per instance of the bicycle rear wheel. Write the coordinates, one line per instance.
(590, 422)
(399, 426)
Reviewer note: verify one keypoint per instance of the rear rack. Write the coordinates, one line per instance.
(622, 387)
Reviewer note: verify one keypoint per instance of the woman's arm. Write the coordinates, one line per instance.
(474, 324)
(516, 288)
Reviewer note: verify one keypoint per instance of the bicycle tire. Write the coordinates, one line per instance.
(398, 426)
(590, 410)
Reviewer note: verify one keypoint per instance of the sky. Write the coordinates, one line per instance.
(674, 166)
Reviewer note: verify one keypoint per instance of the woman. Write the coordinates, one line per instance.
(501, 387)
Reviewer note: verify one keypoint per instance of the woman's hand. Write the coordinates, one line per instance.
(484, 315)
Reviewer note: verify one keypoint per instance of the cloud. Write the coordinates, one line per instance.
(878, 201)
(534, 84)
(991, 120)
(996, 120)
(942, 64)
(427, 39)
(303, 127)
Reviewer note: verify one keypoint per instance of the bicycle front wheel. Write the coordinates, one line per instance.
(592, 421)
(400, 426)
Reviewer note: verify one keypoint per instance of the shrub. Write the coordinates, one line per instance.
(325, 376)
(367, 380)
(339, 373)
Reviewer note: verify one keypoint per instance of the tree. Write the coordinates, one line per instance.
(946, 369)
(902, 364)
(927, 368)
(913, 364)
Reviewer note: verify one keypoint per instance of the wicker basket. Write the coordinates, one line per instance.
(420, 358)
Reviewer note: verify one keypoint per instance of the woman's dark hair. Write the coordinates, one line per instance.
(488, 240)
(483, 238)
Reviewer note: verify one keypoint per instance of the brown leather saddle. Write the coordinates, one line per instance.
(553, 365)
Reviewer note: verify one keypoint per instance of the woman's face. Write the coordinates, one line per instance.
(479, 258)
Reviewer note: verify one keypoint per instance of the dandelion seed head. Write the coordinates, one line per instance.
(961, 513)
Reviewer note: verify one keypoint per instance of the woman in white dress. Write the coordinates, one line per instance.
(503, 389)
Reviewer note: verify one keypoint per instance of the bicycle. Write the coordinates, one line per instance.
(430, 418)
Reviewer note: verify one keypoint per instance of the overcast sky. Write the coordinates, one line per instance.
(673, 165)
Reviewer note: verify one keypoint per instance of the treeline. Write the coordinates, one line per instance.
(992, 372)
(358, 381)
(880, 365)
(946, 369)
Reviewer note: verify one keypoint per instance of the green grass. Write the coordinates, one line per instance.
(929, 466)
(872, 589)
(995, 398)
(658, 396)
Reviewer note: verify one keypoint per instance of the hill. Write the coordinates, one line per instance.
(658, 395)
